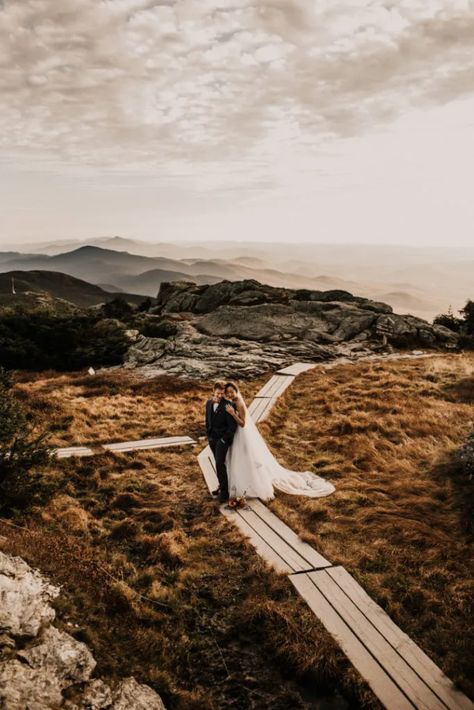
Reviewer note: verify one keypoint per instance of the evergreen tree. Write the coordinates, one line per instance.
(22, 451)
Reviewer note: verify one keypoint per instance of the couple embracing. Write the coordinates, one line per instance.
(245, 466)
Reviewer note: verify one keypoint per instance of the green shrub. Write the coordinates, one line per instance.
(464, 325)
(117, 308)
(22, 451)
(151, 328)
(42, 340)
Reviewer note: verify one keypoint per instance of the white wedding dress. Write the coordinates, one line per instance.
(254, 472)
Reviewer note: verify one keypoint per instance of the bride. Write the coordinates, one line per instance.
(252, 469)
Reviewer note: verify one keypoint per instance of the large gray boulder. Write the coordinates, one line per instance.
(25, 598)
(244, 329)
(69, 660)
(40, 662)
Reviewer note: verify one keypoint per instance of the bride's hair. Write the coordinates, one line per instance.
(231, 384)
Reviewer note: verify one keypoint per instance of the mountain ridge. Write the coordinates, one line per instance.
(58, 286)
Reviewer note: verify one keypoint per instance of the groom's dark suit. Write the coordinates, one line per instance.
(220, 428)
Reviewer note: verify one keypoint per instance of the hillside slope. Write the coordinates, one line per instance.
(57, 286)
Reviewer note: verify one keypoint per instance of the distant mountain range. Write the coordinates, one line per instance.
(41, 286)
(144, 274)
(424, 281)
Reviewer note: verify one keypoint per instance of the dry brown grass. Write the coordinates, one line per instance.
(384, 433)
(214, 627)
(116, 406)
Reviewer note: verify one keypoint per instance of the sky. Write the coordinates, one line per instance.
(252, 120)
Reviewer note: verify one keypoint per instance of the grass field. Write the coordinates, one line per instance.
(117, 406)
(401, 518)
(160, 586)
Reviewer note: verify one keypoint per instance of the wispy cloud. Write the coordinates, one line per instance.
(156, 83)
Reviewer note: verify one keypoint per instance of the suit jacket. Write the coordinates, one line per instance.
(220, 424)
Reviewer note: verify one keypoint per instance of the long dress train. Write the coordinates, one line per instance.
(254, 472)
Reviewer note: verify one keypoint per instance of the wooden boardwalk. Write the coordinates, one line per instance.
(124, 446)
(400, 674)
(73, 451)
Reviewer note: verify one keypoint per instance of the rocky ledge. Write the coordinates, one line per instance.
(42, 667)
(248, 328)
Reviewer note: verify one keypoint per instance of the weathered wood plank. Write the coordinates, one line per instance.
(260, 408)
(73, 451)
(277, 543)
(267, 389)
(370, 669)
(275, 387)
(266, 411)
(140, 444)
(408, 681)
(283, 385)
(206, 462)
(260, 545)
(413, 655)
(308, 553)
(297, 368)
(255, 406)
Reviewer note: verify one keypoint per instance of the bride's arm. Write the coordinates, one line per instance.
(238, 415)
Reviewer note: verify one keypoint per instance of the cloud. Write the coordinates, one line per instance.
(180, 84)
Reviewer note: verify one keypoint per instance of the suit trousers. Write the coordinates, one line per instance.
(220, 449)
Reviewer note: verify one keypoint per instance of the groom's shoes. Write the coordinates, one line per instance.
(216, 492)
(223, 497)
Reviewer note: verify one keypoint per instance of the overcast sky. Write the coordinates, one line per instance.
(306, 120)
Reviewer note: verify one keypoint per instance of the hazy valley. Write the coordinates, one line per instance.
(422, 281)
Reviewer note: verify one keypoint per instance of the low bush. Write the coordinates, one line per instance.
(42, 340)
(23, 450)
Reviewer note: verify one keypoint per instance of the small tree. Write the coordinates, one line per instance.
(449, 320)
(468, 317)
(145, 305)
(464, 325)
(22, 450)
(117, 308)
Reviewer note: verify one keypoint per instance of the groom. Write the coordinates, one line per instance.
(220, 428)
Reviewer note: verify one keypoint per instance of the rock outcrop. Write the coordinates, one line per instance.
(247, 328)
(38, 662)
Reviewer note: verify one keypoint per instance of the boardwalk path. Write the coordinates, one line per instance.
(400, 674)
(123, 446)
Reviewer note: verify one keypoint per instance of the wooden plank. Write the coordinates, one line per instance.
(405, 677)
(260, 545)
(253, 406)
(297, 368)
(283, 385)
(267, 389)
(277, 543)
(73, 451)
(441, 685)
(264, 413)
(315, 560)
(163, 442)
(258, 408)
(382, 685)
(206, 462)
(275, 387)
